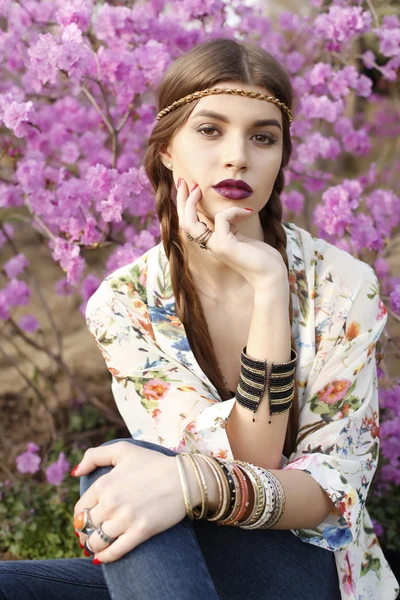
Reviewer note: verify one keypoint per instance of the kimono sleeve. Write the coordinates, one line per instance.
(338, 437)
(160, 399)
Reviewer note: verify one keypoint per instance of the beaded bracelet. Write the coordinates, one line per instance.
(230, 517)
(278, 504)
(253, 383)
(268, 505)
(281, 503)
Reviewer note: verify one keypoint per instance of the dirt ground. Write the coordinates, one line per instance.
(23, 416)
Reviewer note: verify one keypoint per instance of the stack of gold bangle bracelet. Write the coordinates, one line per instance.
(235, 479)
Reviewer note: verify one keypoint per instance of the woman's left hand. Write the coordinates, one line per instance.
(140, 497)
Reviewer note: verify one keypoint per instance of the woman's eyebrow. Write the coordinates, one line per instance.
(214, 115)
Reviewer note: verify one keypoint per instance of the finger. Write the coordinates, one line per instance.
(186, 205)
(102, 456)
(124, 544)
(111, 528)
(90, 498)
(80, 537)
(181, 195)
(190, 209)
(223, 221)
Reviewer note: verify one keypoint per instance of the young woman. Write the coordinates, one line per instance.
(242, 354)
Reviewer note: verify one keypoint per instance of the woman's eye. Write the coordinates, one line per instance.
(208, 129)
(270, 138)
(265, 136)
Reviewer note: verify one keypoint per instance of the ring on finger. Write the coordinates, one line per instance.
(89, 548)
(83, 522)
(204, 237)
(104, 536)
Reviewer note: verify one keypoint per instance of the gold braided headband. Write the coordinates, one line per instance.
(210, 91)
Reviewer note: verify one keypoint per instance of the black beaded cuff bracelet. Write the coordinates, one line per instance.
(253, 382)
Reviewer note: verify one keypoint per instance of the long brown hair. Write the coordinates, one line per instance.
(202, 67)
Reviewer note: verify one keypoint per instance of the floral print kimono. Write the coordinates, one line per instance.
(165, 398)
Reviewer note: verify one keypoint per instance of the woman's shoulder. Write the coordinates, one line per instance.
(324, 259)
(130, 280)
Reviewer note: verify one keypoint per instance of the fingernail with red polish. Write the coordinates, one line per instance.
(96, 561)
(81, 545)
(86, 553)
(76, 533)
(248, 209)
(74, 470)
(194, 187)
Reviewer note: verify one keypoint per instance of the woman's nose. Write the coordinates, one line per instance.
(236, 154)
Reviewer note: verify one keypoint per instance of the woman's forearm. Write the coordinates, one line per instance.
(259, 442)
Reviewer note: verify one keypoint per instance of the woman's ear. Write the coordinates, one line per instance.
(165, 156)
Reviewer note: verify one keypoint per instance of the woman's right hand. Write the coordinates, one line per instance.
(259, 263)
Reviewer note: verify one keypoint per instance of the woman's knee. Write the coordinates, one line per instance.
(87, 480)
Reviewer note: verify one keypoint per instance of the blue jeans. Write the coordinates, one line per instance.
(193, 560)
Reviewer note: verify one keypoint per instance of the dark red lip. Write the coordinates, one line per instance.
(237, 183)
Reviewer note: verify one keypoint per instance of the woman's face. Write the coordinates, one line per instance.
(208, 149)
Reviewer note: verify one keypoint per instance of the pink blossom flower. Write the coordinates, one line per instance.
(64, 288)
(43, 61)
(294, 61)
(289, 21)
(10, 195)
(389, 41)
(32, 447)
(15, 265)
(89, 286)
(29, 462)
(16, 117)
(320, 107)
(363, 86)
(29, 323)
(320, 73)
(381, 268)
(75, 11)
(4, 306)
(341, 24)
(55, 473)
(293, 201)
(17, 293)
(123, 255)
(144, 240)
(395, 299)
(369, 59)
(70, 152)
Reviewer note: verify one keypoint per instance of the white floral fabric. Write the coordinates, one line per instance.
(164, 397)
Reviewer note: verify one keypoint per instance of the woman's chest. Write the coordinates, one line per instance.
(229, 331)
